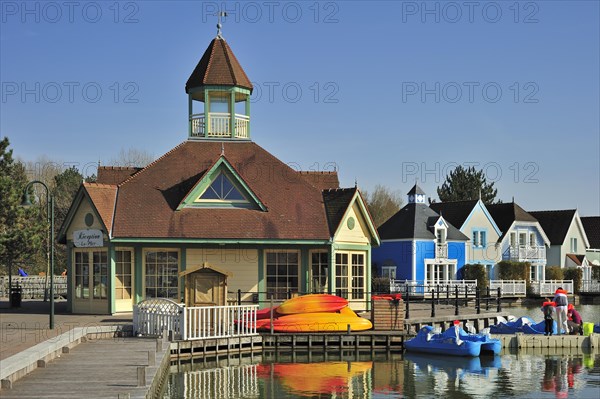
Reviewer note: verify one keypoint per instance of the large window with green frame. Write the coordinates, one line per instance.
(161, 271)
(350, 274)
(282, 273)
(91, 274)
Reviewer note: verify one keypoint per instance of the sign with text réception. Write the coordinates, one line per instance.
(88, 238)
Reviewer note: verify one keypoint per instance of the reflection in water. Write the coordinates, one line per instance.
(323, 380)
(525, 374)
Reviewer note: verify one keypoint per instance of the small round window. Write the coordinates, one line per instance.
(89, 220)
(351, 222)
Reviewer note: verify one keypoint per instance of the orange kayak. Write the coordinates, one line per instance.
(317, 322)
(312, 303)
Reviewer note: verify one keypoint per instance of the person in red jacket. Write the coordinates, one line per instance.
(548, 310)
(575, 322)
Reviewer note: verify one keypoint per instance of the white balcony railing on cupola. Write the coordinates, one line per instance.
(526, 253)
(219, 126)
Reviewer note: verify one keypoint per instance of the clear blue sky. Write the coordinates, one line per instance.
(390, 91)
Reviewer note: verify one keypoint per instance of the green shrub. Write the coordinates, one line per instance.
(575, 274)
(380, 285)
(475, 272)
(554, 273)
(595, 272)
(509, 270)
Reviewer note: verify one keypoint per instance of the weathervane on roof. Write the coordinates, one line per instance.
(222, 149)
(219, 26)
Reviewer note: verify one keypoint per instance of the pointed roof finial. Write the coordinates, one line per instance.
(355, 182)
(219, 26)
(222, 149)
(480, 193)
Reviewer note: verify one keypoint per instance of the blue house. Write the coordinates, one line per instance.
(418, 244)
(474, 220)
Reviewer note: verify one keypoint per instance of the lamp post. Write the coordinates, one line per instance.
(50, 205)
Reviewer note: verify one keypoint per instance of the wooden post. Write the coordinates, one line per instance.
(239, 297)
(407, 302)
(499, 300)
(456, 300)
(433, 303)
(271, 312)
(477, 304)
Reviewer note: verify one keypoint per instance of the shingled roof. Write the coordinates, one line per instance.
(336, 203)
(591, 224)
(103, 197)
(455, 212)
(555, 223)
(506, 214)
(321, 180)
(415, 221)
(115, 174)
(147, 201)
(218, 66)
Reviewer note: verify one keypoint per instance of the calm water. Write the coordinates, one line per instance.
(539, 374)
(589, 313)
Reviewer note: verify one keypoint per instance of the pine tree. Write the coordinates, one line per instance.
(467, 184)
(21, 229)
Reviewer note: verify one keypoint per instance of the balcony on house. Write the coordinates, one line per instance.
(441, 251)
(218, 125)
(525, 253)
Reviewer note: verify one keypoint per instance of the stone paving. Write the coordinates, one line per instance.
(24, 327)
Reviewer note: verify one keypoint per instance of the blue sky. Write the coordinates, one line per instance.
(387, 91)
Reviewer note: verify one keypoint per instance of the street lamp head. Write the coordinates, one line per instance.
(25, 202)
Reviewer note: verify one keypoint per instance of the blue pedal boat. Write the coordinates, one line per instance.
(453, 342)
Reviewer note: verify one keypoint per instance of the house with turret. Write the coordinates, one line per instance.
(419, 244)
(215, 215)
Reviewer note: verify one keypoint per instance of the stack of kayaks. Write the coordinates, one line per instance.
(312, 313)
(521, 325)
(454, 342)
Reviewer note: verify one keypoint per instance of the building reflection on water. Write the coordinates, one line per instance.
(561, 372)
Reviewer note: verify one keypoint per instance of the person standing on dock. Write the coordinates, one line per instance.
(562, 302)
(548, 310)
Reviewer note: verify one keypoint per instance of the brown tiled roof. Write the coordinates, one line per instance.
(555, 224)
(336, 203)
(218, 66)
(114, 174)
(591, 224)
(103, 196)
(147, 201)
(577, 259)
(321, 180)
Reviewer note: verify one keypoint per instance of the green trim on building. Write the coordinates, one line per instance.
(182, 267)
(70, 274)
(216, 241)
(351, 247)
(262, 286)
(111, 277)
(139, 294)
(304, 270)
(221, 166)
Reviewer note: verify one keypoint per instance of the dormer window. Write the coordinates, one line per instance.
(221, 189)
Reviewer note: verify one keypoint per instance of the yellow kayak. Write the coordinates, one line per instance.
(312, 303)
(318, 322)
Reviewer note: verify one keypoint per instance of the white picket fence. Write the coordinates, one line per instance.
(153, 316)
(421, 287)
(548, 287)
(508, 287)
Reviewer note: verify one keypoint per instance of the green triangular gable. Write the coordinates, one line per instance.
(207, 193)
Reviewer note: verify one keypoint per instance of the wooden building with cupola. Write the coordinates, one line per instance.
(216, 214)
